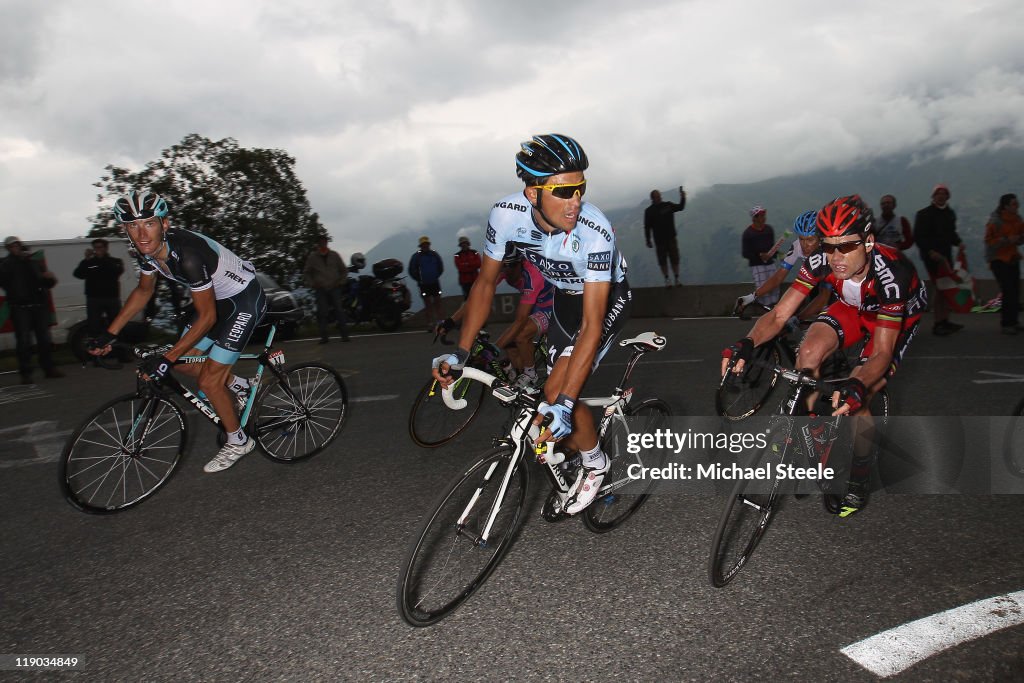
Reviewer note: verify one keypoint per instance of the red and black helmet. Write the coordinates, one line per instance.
(845, 216)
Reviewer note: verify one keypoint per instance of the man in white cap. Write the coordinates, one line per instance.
(935, 234)
(26, 286)
(757, 247)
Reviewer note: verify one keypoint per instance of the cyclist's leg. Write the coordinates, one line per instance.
(567, 316)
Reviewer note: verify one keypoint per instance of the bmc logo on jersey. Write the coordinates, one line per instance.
(510, 205)
(886, 278)
(816, 260)
(491, 235)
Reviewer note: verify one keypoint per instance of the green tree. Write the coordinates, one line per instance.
(249, 200)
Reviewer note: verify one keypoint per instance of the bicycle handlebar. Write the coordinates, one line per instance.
(469, 373)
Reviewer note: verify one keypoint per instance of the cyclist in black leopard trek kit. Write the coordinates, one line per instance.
(228, 300)
(573, 245)
(879, 296)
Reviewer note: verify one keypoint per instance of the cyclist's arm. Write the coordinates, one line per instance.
(135, 302)
(478, 306)
(595, 306)
(206, 315)
(771, 323)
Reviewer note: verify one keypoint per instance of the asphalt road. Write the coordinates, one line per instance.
(276, 572)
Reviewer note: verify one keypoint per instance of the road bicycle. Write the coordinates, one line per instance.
(741, 395)
(432, 424)
(128, 449)
(472, 525)
(803, 443)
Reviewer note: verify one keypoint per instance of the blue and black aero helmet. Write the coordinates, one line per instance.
(136, 206)
(806, 224)
(548, 155)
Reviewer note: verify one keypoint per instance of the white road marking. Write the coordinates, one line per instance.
(890, 652)
(367, 399)
(662, 362)
(34, 443)
(1004, 377)
(21, 393)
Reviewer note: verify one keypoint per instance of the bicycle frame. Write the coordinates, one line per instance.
(523, 433)
(265, 359)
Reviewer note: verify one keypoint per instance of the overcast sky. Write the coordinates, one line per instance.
(404, 113)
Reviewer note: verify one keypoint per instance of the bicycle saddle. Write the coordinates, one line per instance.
(647, 341)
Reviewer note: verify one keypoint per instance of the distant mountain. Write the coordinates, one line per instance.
(715, 217)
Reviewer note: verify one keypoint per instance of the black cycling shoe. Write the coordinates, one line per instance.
(855, 500)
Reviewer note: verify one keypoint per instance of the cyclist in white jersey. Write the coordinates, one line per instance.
(807, 242)
(228, 301)
(573, 245)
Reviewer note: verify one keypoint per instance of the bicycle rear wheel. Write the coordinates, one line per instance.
(620, 496)
(298, 418)
(123, 453)
(740, 396)
(432, 423)
(448, 559)
(750, 507)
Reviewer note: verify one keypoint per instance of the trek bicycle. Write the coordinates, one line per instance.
(128, 449)
(473, 524)
(804, 443)
(432, 424)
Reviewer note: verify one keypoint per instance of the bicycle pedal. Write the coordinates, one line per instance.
(552, 511)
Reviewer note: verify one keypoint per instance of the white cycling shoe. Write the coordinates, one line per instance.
(229, 454)
(584, 489)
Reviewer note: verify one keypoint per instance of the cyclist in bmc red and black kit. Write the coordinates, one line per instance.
(879, 296)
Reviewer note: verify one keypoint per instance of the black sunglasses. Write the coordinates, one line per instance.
(844, 248)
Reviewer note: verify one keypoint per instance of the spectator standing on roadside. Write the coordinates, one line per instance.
(26, 286)
(467, 262)
(935, 234)
(758, 247)
(660, 225)
(891, 229)
(102, 274)
(426, 267)
(325, 273)
(1003, 233)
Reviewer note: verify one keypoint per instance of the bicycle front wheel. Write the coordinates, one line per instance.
(620, 495)
(432, 423)
(300, 416)
(123, 453)
(463, 539)
(740, 396)
(750, 507)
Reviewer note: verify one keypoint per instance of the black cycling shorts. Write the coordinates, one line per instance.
(568, 316)
(237, 318)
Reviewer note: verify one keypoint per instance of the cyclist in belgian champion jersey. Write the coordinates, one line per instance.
(573, 246)
(228, 301)
(879, 297)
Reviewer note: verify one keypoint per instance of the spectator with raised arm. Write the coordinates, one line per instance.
(660, 226)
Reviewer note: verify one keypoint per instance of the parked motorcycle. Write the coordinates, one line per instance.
(381, 297)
